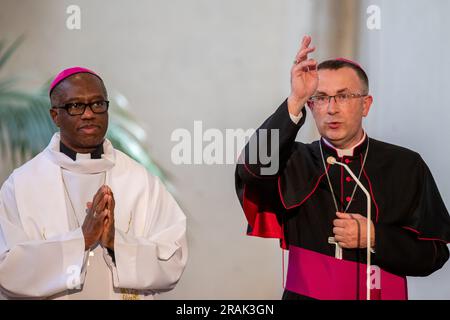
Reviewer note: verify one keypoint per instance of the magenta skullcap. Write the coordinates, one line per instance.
(67, 73)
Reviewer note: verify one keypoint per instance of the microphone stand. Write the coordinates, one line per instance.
(332, 160)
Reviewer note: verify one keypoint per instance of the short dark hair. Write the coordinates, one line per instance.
(336, 64)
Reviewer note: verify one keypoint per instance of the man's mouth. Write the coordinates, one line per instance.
(334, 124)
(89, 129)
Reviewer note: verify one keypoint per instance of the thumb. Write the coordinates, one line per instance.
(357, 216)
(107, 214)
(89, 205)
(105, 222)
(342, 215)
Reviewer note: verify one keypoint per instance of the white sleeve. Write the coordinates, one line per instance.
(155, 260)
(36, 268)
(296, 119)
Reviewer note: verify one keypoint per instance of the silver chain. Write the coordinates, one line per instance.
(329, 181)
(70, 200)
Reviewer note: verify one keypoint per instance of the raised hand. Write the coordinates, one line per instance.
(304, 77)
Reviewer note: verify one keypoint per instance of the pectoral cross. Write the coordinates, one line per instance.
(338, 249)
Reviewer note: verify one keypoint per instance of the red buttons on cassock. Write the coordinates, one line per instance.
(348, 199)
(348, 179)
(347, 161)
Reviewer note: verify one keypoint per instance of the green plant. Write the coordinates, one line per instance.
(26, 126)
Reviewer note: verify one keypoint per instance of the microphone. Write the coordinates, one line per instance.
(333, 161)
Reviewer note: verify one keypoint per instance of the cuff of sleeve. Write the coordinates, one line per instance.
(75, 258)
(138, 262)
(296, 119)
(126, 256)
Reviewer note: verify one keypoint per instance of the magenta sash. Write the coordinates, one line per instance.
(323, 277)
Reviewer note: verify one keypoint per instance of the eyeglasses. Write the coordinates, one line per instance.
(340, 99)
(78, 108)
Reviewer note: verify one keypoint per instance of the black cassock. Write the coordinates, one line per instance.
(412, 225)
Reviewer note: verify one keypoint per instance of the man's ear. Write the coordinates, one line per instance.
(366, 105)
(54, 115)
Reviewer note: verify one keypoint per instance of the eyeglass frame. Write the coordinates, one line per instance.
(311, 102)
(68, 105)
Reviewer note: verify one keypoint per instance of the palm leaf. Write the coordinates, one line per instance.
(4, 57)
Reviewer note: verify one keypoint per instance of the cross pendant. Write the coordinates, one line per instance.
(338, 249)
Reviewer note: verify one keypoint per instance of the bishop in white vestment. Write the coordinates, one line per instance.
(82, 220)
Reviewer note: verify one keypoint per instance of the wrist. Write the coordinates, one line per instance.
(108, 243)
(295, 105)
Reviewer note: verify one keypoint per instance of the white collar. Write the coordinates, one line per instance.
(83, 163)
(345, 152)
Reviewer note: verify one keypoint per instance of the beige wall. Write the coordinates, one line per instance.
(225, 63)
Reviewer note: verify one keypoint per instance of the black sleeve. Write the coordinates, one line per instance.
(274, 139)
(399, 251)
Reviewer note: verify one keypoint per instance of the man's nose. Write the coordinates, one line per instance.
(332, 106)
(87, 114)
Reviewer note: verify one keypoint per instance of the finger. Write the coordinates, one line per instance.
(305, 66)
(101, 216)
(98, 196)
(96, 220)
(345, 223)
(357, 216)
(101, 205)
(109, 221)
(344, 244)
(343, 215)
(107, 217)
(339, 238)
(306, 41)
(302, 55)
(342, 223)
(89, 205)
(102, 191)
(111, 205)
(338, 231)
(305, 63)
(109, 214)
(107, 189)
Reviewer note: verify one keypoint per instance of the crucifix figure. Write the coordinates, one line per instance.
(338, 249)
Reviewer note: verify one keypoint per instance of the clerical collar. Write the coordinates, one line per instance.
(347, 152)
(96, 154)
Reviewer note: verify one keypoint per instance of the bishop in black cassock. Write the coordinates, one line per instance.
(298, 204)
